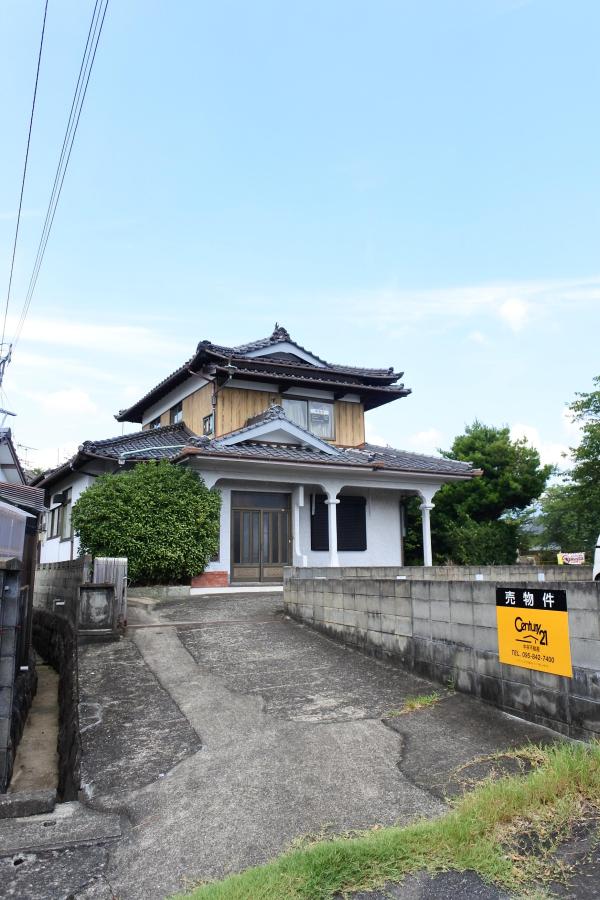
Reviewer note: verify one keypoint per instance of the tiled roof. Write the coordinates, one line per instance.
(157, 443)
(283, 367)
(368, 456)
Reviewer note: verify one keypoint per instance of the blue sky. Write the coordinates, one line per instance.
(399, 183)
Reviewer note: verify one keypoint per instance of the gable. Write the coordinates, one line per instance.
(286, 349)
(273, 427)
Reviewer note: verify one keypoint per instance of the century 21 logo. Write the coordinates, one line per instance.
(532, 632)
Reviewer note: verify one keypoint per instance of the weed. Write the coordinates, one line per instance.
(507, 830)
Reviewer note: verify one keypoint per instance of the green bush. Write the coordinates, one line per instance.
(161, 517)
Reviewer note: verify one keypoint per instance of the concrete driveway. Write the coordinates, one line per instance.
(220, 731)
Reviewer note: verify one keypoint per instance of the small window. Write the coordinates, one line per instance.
(314, 415)
(53, 522)
(155, 423)
(208, 424)
(66, 531)
(176, 414)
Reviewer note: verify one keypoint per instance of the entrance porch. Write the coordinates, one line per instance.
(275, 521)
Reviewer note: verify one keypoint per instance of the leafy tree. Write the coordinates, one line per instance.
(471, 522)
(161, 517)
(571, 510)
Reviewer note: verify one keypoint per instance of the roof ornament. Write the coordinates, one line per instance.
(280, 333)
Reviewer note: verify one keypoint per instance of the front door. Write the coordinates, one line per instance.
(260, 535)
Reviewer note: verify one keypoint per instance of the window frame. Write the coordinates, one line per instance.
(314, 400)
(154, 423)
(208, 420)
(176, 413)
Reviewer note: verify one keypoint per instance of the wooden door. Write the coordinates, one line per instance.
(260, 536)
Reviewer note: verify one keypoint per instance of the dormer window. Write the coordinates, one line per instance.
(176, 414)
(314, 415)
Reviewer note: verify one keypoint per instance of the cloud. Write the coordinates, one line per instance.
(374, 437)
(49, 457)
(478, 338)
(515, 304)
(551, 452)
(69, 402)
(514, 312)
(69, 332)
(428, 441)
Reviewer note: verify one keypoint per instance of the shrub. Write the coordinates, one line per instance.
(161, 517)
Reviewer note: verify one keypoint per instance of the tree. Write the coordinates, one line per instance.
(570, 513)
(161, 517)
(471, 521)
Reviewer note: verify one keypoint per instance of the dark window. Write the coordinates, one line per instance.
(155, 423)
(319, 529)
(176, 414)
(351, 523)
(207, 424)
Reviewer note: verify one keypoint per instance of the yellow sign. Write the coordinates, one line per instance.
(533, 629)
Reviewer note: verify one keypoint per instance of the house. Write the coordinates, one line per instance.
(280, 433)
(20, 508)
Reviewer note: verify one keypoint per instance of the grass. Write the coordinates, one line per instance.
(484, 832)
(420, 702)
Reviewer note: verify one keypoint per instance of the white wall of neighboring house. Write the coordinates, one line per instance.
(58, 549)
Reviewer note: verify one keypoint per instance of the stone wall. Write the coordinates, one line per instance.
(446, 630)
(55, 640)
(59, 582)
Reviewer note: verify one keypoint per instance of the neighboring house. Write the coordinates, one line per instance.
(65, 484)
(280, 433)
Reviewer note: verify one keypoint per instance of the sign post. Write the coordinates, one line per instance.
(533, 629)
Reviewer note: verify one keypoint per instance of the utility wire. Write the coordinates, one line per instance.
(85, 71)
(14, 249)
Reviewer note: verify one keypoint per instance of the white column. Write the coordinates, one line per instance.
(427, 554)
(297, 501)
(332, 503)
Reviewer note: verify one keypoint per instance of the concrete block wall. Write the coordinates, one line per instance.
(60, 582)
(448, 573)
(446, 631)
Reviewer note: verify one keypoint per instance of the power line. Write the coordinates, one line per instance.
(85, 71)
(14, 249)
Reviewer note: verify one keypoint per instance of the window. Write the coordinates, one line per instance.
(351, 523)
(208, 424)
(53, 522)
(65, 520)
(155, 423)
(314, 415)
(176, 413)
(58, 519)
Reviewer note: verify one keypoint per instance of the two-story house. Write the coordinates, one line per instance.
(280, 433)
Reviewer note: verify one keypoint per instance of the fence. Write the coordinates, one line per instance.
(446, 630)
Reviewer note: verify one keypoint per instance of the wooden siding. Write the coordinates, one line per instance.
(236, 405)
(165, 418)
(196, 406)
(349, 424)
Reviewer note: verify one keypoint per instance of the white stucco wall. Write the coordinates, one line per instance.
(384, 543)
(56, 549)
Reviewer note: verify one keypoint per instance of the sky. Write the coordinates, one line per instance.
(407, 184)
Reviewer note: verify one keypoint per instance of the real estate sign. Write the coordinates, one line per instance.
(533, 629)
